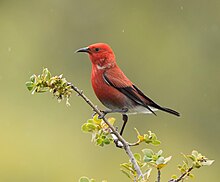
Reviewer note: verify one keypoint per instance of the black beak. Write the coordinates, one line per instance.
(85, 49)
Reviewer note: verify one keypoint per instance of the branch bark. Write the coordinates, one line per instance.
(120, 138)
(182, 176)
(158, 175)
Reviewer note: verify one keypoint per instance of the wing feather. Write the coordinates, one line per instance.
(120, 82)
(117, 79)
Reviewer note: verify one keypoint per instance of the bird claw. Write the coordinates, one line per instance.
(124, 110)
(102, 115)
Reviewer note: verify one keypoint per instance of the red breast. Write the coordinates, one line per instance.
(109, 96)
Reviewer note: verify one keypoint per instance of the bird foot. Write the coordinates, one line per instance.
(102, 115)
(124, 110)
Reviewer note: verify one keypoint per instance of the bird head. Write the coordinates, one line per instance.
(100, 54)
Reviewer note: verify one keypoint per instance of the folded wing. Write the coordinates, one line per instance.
(119, 81)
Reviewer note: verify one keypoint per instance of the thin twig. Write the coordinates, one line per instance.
(120, 138)
(182, 176)
(158, 175)
(133, 144)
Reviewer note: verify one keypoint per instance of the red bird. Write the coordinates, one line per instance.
(114, 89)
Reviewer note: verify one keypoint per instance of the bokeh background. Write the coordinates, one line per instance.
(170, 49)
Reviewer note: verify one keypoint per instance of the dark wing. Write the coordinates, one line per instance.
(124, 85)
(153, 104)
(119, 81)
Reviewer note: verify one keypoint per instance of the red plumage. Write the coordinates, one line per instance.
(113, 88)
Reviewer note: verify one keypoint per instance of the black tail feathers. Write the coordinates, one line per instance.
(169, 111)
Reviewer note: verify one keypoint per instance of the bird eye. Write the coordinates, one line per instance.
(97, 49)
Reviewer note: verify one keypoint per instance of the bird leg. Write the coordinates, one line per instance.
(125, 119)
(116, 141)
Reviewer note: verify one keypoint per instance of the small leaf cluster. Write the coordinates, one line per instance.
(198, 160)
(195, 160)
(148, 138)
(149, 161)
(45, 82)
(86, 179)
(129, 170)
(155, 159)
(101, 133)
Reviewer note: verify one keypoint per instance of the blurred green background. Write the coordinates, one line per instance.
(170, 49)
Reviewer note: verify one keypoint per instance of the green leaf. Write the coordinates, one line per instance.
(166, 160)
(155, 157)
(152, 135)
(146, 138)
(148, 172)
(137, 156)
(106, 141)
(159, 153)
(148, 152)
(147, 159)
(99, 142)
(84, 127)
(90, 121)
(160, 160)
(29, 85)
(33, 78)
(84, 179)
(127, 166)
(186, 158)
(96, 119)
(195, 153)
(91, 127)
(197, 164)
(193, 158)
(88, 127)
(34, 90)
(156, 142)
(191, 175)
(46, 74)
(174, 177)
(126, 173)
(42, 90)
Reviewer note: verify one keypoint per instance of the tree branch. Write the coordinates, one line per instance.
(182, 176)
(158, 175)
(120, 138)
